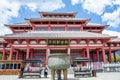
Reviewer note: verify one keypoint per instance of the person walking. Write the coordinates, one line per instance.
(45, 72)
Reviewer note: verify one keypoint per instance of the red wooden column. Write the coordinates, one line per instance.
(16, 55)
(3, 56)
(93, 55)
(47, 54)
(28, 49)
(83, 53)
(114, 55)
(47, 50)
(49, 26)
(68, 51)
(87, 49)
(28, 52)
(31, 53)
(88, 52)
(11, 53)
(103, 55)
(81, 27)
(66, 27)
(98, 55)
(110, 56)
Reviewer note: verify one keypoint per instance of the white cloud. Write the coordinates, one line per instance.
(43, 5)
(51, 5)
(113, 19)
(99, 7)
(7, 10)
(32, 6)
(116, 2)
(74, 2)
(10, 9)
(93, 6)
(112, 33)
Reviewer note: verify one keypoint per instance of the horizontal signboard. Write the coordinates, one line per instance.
(58, 42)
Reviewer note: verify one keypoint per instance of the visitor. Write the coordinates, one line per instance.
(27, 67)
(30, 69)
(45, 72)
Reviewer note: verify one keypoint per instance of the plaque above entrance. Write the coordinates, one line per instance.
(58, 42)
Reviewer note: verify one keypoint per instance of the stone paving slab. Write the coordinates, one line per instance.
(100, 76)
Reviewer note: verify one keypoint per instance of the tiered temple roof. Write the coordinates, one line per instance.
(53, 16)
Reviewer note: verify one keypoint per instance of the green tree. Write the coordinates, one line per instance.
(118, 57)
(0, 56)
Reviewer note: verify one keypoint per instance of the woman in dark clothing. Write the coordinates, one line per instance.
(45, 72)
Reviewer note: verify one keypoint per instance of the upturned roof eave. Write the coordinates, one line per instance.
(2, 40)
(15, 25)
(114, 40)
(97, 25)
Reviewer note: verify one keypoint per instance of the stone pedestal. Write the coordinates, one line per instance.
(52, 74)
(58, 74)
(65, 74)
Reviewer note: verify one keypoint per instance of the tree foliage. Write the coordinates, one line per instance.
(0, 56)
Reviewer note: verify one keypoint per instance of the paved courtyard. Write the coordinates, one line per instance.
(100, 76)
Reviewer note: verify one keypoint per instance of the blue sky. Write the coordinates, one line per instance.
(99, 11)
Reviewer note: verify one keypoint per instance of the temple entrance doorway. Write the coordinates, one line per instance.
(40, 54)
(76, 53)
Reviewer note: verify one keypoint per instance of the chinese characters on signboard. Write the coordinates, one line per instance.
(58, 42)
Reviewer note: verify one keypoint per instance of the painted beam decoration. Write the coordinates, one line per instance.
(58, 42)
